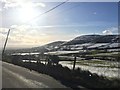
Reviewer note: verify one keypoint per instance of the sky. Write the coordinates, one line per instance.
(72, 19)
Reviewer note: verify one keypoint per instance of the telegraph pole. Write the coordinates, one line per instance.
(5, 43)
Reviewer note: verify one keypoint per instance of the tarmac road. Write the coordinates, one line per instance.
(14, 76)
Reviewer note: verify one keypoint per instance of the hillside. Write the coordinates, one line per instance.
(49, 46)
(54, 44)
(89, 40)
(92, 39)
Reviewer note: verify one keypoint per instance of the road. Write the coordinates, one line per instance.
(14, 76)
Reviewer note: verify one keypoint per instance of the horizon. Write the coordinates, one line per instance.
(66, 22)
(26, 47)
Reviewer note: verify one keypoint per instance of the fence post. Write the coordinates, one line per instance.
(74, 62)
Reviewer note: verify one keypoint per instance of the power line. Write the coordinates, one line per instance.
(49, 10)
(29, 21)
(65, 11)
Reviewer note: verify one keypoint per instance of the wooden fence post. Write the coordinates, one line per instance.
(74, 62)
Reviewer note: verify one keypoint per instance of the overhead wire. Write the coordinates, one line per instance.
(48, 11)
(4, 47)
(64, 11)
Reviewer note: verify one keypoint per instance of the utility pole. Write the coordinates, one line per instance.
(5, 43)
(74, 62)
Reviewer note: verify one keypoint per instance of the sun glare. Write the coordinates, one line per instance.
(27, 12)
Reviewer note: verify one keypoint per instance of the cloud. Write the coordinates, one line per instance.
(3, 30)
(110, 31)
(21, 3)
(13, 26)
(107, 32)
(39, 4)
(28, 35)
(24, 35)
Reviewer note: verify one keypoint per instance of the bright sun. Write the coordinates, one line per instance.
(27, 12)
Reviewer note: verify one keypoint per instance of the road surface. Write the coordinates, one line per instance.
(18, 77)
